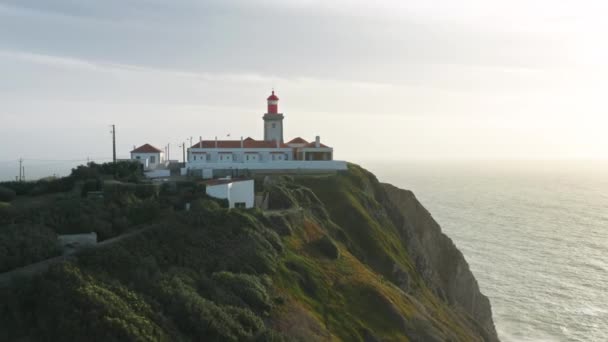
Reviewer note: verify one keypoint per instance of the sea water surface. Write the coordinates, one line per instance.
(535, 235)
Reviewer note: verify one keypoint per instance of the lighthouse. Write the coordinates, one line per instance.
(273, 120)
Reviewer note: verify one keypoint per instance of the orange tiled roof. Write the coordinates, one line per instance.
(247, 143)
(297, 140)
(146, 148)
(312, 144)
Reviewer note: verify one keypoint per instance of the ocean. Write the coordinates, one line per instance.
(535, 235)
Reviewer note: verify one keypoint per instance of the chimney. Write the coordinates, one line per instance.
(216, 141)
(241, 141)
(317, 141)
(200, 141)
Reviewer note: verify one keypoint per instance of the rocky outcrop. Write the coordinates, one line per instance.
(441, 264)
(388, 231)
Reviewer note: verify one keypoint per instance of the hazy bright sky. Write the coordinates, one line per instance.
(391, 80)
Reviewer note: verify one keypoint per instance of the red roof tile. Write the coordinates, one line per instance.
(312, 144)
(146, 148)
(247, 143)
(297, 140)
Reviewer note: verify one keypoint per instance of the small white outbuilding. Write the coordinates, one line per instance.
(150, 156)
(238, 192)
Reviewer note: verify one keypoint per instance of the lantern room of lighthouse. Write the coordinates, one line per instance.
(273, 120)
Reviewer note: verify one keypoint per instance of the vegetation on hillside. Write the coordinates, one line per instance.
(326, 262)
(30, 223)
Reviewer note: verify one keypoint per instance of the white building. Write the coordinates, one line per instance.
(269, 154)
(238, 192)
(150, 156)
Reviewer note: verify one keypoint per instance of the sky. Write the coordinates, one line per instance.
(377, 80)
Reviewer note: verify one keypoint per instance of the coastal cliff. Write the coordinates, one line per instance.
(335, 257)
(442, 265)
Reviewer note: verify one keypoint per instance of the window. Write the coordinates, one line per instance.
(138, 157)
(194, 157)
(240, 205)
(274, 125)
(152, 159)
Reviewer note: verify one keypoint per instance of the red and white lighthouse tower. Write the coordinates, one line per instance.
(273, 120)
(273, 104)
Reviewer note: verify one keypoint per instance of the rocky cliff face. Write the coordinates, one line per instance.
(388, 231)
(444, 267)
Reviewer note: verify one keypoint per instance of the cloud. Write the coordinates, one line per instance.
(341, 40)
(77, 64)
(48, 60)
(426, 70)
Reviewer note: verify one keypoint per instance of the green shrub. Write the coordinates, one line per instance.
(270, 336)
(205, 205)
(40, 187)
(8, 213)
(145, 211)
(124, 170)
(249, 288)
(91, 185)
(327, 247)
(280, 224)
(146, 190)
(23, 244)
(7, 194)
(201, 317)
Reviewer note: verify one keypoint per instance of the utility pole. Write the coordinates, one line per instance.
(20, 169)
(183, 152)
(114, 144)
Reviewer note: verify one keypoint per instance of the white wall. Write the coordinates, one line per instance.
(144, 158)
(273, 133)
(163, 173)
(238, 154)
(197, 156)
(242, 191)
(251, 157)
(320, 165)
(235, 192)
(218, 191)
(207, 173)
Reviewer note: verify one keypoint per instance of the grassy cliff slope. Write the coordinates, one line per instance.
(335, 258)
